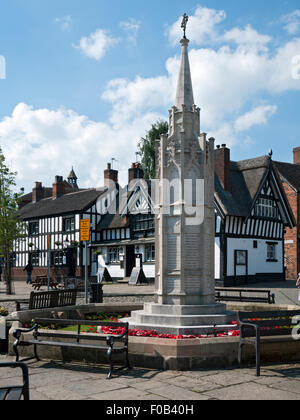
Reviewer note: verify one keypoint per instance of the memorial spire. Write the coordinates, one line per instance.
(184, 95)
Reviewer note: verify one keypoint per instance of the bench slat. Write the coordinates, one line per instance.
(83, 336)
(76, 345)
(80, 322)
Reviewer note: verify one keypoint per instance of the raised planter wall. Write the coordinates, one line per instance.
(163, 354)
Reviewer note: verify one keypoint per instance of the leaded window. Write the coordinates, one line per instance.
(114, 254)
(266, 207)
(150, 253)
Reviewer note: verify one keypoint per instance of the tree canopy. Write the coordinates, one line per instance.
(147, 148)
(11, 228)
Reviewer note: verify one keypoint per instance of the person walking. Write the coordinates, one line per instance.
(29, 269)
(0, 272)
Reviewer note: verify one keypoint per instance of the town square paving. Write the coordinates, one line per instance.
(58, 381)
(79, 381)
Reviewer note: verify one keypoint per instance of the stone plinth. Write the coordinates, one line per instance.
(176, 319)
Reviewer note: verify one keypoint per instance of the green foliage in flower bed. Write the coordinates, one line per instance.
(111, 317)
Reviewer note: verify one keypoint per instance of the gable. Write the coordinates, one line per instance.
(139, 201)
(270, 201)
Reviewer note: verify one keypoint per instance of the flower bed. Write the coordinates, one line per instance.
(155, 334)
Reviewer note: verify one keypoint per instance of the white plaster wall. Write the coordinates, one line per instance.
(149, 270)
(115, 271)
(256, 257)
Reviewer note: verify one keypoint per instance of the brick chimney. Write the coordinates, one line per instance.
(297, 156)
(110, 175)
(222, 166)
(59, 187)
(135, 172)
(37, 192)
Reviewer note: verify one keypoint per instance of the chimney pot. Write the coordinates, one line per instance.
(110, 175)
(37, 192)
(222, 166)
(135, 172)
(296, 152)
(59, 187)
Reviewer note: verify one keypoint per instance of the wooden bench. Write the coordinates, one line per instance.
(16, 392)
(47, 300)
(43, 281)
(224, 294)
(73, 340)
(258, 327)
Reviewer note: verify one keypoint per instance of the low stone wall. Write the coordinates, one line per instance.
(168, 354)
(163, 354)
(259, 307)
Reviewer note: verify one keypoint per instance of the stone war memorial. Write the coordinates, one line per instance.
(186, 326)
(185, 222)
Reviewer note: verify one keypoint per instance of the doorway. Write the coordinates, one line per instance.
(129, 260)
(240, 267)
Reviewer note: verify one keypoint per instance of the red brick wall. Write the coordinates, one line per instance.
(292, 252)
(19, 274)
(222, 166)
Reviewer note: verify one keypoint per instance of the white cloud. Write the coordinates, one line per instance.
(292, 21)
(257, 116)
(64, 22)
(247, 37)
(130, 99)
(236, 69)
(131, 27)
(96, 44)
(201, 26)
(42, 143)
(226, 78)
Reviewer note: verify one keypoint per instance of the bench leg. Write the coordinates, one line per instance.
(127, 360)
(15, 347)
(35, 353)
(257, 357)
(240, 354)
(111, 369)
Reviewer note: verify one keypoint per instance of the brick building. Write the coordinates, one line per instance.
(290, 178)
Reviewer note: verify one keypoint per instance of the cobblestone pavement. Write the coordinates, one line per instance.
(58, 381)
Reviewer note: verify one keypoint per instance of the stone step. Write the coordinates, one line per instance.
(142, 317)
(156, 309)
(182, 330)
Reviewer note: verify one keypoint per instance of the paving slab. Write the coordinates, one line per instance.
(251, 391)
(70, 381)
(174, 393)
(127, 394)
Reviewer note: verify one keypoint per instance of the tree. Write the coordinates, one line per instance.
(146, 147)
(11, 228)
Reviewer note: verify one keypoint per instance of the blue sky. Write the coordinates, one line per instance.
(85, 80)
